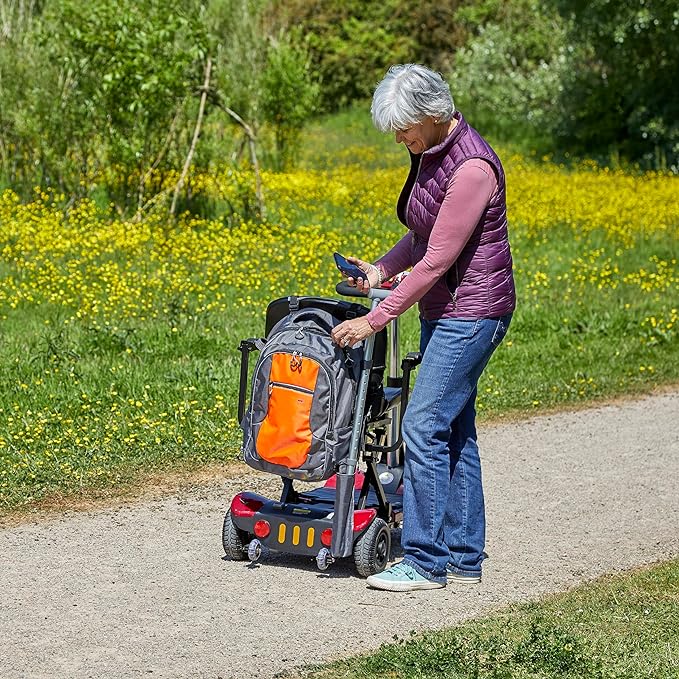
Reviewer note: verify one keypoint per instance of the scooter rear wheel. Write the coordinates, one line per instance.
(233, 540)
(371, 550)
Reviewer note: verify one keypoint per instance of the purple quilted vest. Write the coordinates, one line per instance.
(480, 284)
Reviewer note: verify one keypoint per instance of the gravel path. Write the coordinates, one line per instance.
(143, 591)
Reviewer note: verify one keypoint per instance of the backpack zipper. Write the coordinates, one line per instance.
(291, 387)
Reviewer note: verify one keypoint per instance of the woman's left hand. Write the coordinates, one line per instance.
(372, 275)
(349, 333)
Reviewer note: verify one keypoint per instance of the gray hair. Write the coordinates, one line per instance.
(407, 95)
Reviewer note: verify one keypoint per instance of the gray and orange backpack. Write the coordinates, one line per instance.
(299, 420)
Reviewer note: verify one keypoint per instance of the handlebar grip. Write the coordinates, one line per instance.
(343, 288)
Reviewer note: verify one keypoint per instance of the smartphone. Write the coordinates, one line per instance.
(347, 268)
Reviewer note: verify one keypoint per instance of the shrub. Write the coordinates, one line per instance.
(620, 96)
(353, 43)
(508, 75)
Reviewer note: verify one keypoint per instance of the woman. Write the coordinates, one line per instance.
(453, 204)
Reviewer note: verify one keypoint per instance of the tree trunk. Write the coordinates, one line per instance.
(196, 134)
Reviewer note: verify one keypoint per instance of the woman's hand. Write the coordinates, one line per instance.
(372, 275)
(350, 333)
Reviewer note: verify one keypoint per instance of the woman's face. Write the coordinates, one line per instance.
(421, 136)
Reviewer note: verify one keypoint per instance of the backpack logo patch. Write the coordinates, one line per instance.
(296, 362)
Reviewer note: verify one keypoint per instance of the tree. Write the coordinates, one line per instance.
(508, 75)
(128, 96)
(128, 70)
(621, 94)
(352, 43)
(289, 94)
(18, 66)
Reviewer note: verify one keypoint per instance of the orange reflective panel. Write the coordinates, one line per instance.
(285, 434)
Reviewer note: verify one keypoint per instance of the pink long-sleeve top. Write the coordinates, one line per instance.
(471, 188)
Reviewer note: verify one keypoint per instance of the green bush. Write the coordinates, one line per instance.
(289, 95)
(102, 83)
(508, 75)
(103, 98)
(620, 95)
(352, 43)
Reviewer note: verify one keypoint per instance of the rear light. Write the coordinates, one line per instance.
(262, 528)
(362, 518)
(326, 537)
(245, 505)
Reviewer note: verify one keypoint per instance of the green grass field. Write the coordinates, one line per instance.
(118, 339)
(619, 627)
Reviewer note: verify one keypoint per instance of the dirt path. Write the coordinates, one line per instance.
(143, 590)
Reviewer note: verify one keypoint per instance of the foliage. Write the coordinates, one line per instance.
(508, 75)
(353, 43)
(109, 93)
(102, 98)
(621, 97)
(619, 627)
(239, 43)
(105, 87)
(129, 68)
(119, 337)
(288, 95)
(18, 65)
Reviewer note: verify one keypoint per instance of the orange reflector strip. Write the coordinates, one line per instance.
(310, 538)
(295, 535)
(281, 533)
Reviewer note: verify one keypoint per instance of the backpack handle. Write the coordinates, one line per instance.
(313, 315)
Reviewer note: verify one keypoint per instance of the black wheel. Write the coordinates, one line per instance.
(371, 551)
(233, 539)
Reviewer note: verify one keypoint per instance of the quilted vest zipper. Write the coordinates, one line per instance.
(457, 285)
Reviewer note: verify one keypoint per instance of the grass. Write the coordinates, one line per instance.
(118, 340)
(619, 627)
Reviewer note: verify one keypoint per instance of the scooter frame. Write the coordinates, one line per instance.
(304, 522)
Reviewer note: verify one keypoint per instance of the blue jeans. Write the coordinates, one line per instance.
(443, 510)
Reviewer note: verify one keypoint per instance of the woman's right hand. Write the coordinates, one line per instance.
(372, 275)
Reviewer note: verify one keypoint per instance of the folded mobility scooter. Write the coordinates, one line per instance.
(321, 413)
